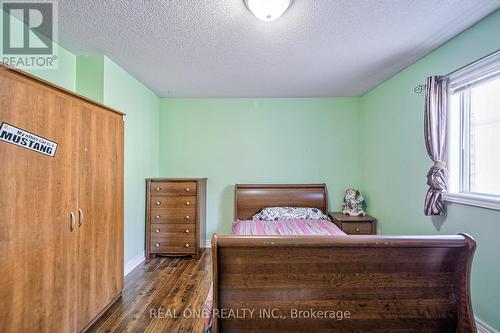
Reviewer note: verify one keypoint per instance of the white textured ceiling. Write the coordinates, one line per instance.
(216, 48)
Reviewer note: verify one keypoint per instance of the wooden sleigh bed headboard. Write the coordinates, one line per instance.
(386, 284)
(249, 199)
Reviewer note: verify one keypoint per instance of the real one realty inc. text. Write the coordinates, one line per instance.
(273, 313)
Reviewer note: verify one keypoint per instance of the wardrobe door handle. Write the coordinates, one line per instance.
(188, 189)
(188, 203)
(80, 217)
(71, 221)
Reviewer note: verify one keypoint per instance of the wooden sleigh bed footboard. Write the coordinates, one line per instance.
(342, 284)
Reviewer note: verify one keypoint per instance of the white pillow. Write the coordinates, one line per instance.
(290, 213)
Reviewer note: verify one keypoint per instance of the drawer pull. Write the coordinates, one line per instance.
(188, 189)
(188, 203)
(187, 231)
(187, 245)
(157, 230)
(158, 189)
(158, 203)
(157, 244)
(357, 229)
(187, 217)
(157, 217)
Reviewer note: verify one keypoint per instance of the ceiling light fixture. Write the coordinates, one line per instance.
(268, 10)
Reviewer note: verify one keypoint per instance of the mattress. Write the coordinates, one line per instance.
(275, 228)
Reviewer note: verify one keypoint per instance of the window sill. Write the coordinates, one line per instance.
(473, 200)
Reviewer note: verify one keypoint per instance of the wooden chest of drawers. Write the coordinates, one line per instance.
(355, 225)
(175, 221)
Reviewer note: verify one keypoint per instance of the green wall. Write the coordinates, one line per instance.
(233, 141)
(65, 74)
(90, 76)
(142, 106)
(394, 180)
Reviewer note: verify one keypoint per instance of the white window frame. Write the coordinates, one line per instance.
(474, 74)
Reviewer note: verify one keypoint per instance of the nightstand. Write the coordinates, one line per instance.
(354, 225)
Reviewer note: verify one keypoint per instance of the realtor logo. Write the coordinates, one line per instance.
(28, 34)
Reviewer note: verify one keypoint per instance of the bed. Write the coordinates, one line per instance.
(336, 283)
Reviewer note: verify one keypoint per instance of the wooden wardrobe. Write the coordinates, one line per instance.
(61, 217)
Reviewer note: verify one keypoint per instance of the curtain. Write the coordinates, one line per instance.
(435, 115)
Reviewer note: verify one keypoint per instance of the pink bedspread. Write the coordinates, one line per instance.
(275, 228)
(289, 227)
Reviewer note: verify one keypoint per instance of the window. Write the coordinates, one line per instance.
(474, 134)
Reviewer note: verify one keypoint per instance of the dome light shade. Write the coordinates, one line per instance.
(268, 10)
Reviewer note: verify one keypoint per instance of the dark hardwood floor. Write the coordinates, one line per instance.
(157, 290)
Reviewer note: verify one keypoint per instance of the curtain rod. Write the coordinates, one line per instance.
(421, 87)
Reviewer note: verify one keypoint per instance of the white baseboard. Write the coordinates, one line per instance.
(133, 263)
(207, 245)
(482, 327)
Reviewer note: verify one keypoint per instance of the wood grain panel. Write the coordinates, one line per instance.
(359, 309)
(353, 293)
(101, 206)
(251, 199)
(172, 229)
(173, 202)
(357, 228)
(333, 277)
(185, 244)
(346, 254)
(347, 218)
(174, 188)
(341, 326)
(173, 215)
(423, 287)
(37, 194)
